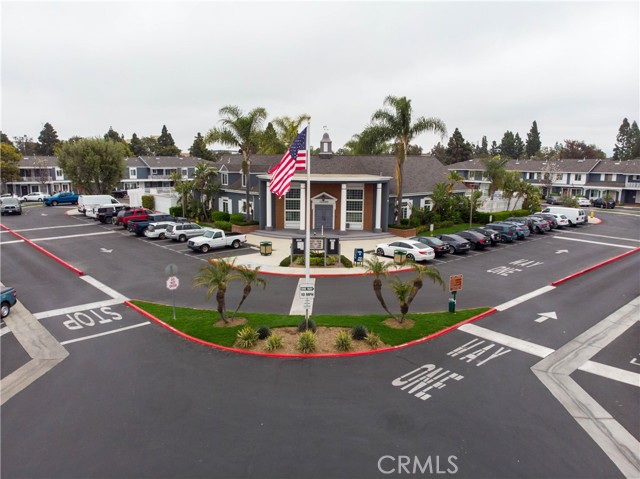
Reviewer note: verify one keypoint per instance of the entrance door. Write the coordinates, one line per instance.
(323, 216)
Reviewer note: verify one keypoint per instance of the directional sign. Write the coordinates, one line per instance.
(173, 282)
(307, 291)
(455, 282)
(544, 316)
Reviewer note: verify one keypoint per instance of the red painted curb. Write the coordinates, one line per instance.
(595, 266)
(297, 356)
(44, 251)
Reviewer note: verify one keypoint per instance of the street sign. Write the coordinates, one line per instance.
(173, 282)
(455, 282)
(307, 291)
(171, 270)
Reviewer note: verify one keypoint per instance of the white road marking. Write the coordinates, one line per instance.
(524, 297)
(609, 237)
(297, 304)
(81, 307)
(510, 341)
(119, 330)
(103, 287)
(610, 372)
(11, 242)
(36, 240)
(49, 228)
(595, 242)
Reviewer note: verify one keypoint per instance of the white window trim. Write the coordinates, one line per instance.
(224, 178)
(225, 205)
(133, 172)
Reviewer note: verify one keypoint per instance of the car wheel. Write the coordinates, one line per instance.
(5, 308)
(114, 220)
(182, 238)
(235, 244)
(454, 250)
(40, 200)
(54, 203)
(161, 236)
(204, 248)
(410, 257)
(380, 252)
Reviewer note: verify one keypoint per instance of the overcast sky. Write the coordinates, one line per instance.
(482, 67)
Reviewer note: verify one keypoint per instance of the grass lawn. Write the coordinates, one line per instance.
(198, 323)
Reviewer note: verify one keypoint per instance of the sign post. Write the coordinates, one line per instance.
(172, 283)
(455, 285)
(307, 293)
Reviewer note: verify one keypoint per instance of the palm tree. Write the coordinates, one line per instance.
(243, 132)
(204, 182)
(395, 125)
(287, 128)
(423, 272)
(378, 268)
(510, 185)
(215, 276)
(402, 291)
(494, 170)
(250, 277)
(454, 178)
(183, 188)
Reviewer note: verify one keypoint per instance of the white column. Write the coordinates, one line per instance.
(303, 202)
(269, 218)
(343, 207)
(378, 207)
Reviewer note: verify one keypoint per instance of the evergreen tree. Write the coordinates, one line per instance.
(458, 149)
(166, 145)
(269, 142)
(624, 142)
(199, 149)
(25, 145)
(137, 146)
(534, 143)
(573, 149)
(518, 147)
(635, 134)
(440, 152)
(483, 150)
(508, 145)
(47, 140)
(118, 138)
(495, 149)
(9, 163)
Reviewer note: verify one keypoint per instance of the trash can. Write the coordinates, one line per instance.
(358, 256)
(399, 256)
(265, 248)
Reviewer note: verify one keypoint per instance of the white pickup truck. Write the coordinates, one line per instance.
(216, 238)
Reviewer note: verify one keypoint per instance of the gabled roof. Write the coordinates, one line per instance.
(38, 162)
(561, 166)
(630, 167)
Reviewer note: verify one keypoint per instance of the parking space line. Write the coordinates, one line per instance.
(611, 372)
(37, 240)
(595, 242)
(119, 330)
(104, 288)
(51, 228)
(510, 341)
(609, 237)
(524, 297)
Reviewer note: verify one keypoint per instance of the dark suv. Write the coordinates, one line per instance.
(604, 203)
(507, 233)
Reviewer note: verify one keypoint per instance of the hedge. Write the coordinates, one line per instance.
(219, 216)
(148, 202)
(498, 216)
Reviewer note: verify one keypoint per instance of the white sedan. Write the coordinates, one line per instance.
(582, 201)
(561, 219)
(37, 196)
(414, 250)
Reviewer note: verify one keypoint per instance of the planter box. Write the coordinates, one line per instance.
(408, 233)
(244, 229)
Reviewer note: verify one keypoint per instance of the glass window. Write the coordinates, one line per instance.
(224, 179)
(355, 206)
(292, 209)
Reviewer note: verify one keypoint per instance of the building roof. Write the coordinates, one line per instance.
(630, 167)
(561, 166)
(38, 162)
(164, 161)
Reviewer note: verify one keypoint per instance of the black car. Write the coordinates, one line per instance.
(477, 240)
(439, 247)
(492, 235)
(604, 203)
(554, 200)
(458, 243)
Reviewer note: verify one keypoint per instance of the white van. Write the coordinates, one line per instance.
(89, 201)
(576, 216)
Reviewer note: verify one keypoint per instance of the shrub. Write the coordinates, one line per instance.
(263, 332)
(307, 342)
(176, 211)
(402, 226)
(148, 202)
(343, 341)
(223, 225)
(359, 332)
(498, 216)
(247, 337)
(303, 325)
(372, 340)
(219, 216)
(317, 260)
(286, 261)
(235, 218)
(274, 342)
(346, 262)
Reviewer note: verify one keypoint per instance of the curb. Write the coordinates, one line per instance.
(595, 266)
(44, 251)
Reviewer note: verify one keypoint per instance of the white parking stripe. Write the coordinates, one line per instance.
(594, 242)
(11, 242)
(105, 333)
(514, 343)
(609, 237)
(36, 240)
(611, 372)
(50, 228)
(80, 307)
(524, 297)
(103, 287)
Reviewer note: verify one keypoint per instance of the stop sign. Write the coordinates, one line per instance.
(173, 282)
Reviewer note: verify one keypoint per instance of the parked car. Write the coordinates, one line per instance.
(88, 202)
(10, 206)
(561, 219)
(604, 203)
(157, 230)
(576, 216)
(122, 214)
(458, 243)
(551, 219)
(478, 240)
(521, 230)
(119, 193)
(492, 235)
(440, 248)
(36, 196)
(8, 297)
(68, 197)
(415, 250)
(216, 238)
(540, 225)
(134, 214)
(507, 232)
(582, 201)
(138, 226)
(183, 231)
(105, 213)
(554, 200)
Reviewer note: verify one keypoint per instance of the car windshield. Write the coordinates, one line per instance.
(435, 241)
(10, 201)
(208, 234)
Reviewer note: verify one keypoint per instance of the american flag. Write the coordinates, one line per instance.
(294, 159)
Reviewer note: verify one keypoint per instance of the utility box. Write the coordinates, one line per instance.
(358, 256)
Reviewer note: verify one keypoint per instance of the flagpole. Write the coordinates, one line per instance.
(307, 250)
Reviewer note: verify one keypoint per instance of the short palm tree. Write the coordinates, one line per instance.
(402, 291)
(394, 124)
(250, 277)
(423, 272)
(494, 170)
(378, 268)
(215, 276)
(243, 132)
(204, 182)
(183, 188)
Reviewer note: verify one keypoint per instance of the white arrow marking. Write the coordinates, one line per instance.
(44, 214)
(562, 251)
(104, 250)
(544, 316)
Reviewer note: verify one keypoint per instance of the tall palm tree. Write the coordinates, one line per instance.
(215, 276)
(183, 188)
(394, 124)
(204, 182)
(378, 268)
(494, 170)
(423, 272)
(402, 291)
(287, 128)
(454, 178)
(250, 277)
(241, 131)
